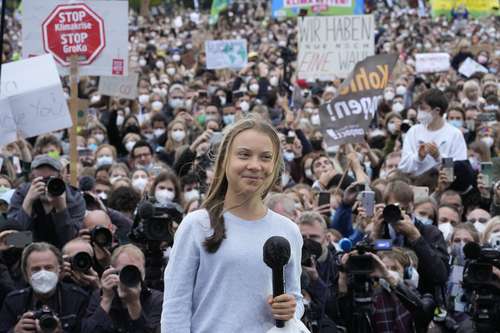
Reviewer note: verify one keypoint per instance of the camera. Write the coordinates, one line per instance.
(130, 276)
(363, 264)
(392, 214)
(310, 249)
(46, 318)
(81, 262)
(55, 186)
(101, 236)
(153, 222)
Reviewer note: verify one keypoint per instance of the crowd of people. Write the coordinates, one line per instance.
(179, 189)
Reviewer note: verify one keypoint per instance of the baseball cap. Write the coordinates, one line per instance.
(42, 160)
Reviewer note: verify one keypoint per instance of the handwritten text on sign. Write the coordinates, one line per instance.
(226, 53)
(432, 62)
(330, 46)
(121, 87)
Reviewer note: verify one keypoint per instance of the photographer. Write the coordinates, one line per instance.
(47, 302)
(78, 257)
(124, 304)
(47, 206)
(426, 240)
(318, 263)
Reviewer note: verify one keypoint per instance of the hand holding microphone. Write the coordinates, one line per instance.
(276, 256)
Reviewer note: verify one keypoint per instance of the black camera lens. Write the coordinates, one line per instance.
(81, 262)
(392, 214)
(130, 276)
(48, 323)
(310, 249)
(405, 126)
(360, 264)
(56, 186)
(157, 229)
(101, 236)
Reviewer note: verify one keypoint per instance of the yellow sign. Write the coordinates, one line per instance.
(475, 8)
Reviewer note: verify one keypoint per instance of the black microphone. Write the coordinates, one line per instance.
(472, 250)
(276, 256)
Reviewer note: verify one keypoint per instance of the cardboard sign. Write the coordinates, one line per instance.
(432, 62)
(346, 118)
(121, 87)
(330, 46)
(291, 8)
(94, 31)
(469, 67)
(226, 53)
(32, 100)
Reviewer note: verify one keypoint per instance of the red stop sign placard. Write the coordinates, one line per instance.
(73, 29)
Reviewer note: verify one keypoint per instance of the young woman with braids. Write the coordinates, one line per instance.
(216, 280)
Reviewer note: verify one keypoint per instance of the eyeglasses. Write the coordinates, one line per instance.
(474, 220)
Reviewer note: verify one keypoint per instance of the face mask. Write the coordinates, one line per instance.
(389, 95)
(43, 282)
(95, 99)
(288, 156)
(254, 87)
(157, 105)
(446, 229)
(414, 278)
(158, 132)
(104, 160)
(456, 123)
(222, 100)
(176, 57)
(424, 220)
(92, 146)
(480, 226)
(164, 196)
(391, 127)
(171, 71)
(99, 137)
(119, 120)
(149, 136)
(274, 81)
(103, 195)
(315, 119)
(176, 103)
(308, 110)
(482, 59)
(400, 90)
(488, 141)
(160, 64)
(194, 194)
(425, 118)
(317, 144)
(143, 99)
(142, 62)
(130, 145)
(139, 183)
(397, 107)
(228, 119)
(178, 136)
(244, 106)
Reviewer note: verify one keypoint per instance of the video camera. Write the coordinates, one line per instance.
(47, 319)
(153, 222)
(363, 264)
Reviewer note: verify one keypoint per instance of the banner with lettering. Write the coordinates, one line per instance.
(291, 8)
(347, 117)
(476, 8)
(330, 46)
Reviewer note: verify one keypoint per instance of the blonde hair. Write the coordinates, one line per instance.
(131, 250)
(489, 227)
(169, 145)
(214, 202)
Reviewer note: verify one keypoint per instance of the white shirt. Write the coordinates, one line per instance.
(450, 141)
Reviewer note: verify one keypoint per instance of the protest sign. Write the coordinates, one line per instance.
(476, 8)
(32, 100)
(348, 115)
(330, 46)
(94, 31)
(469, 67)
(119, 86)
(432, 62)
(290, 8)
(226, 53)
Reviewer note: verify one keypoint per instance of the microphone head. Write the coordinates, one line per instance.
(472, 250)
(86, 183)
(276, 252)
(345, 244)
(145, 210)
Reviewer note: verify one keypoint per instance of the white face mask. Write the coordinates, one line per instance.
(244, 106)
(95, 99)
(194, 194)
(274, 81)
(164, 196)
(178, 136)
(389, 95)
(171, 71)
(156, 106)
(176, 57)
(391, 127)
(43, 282)
(228, 119)
(315, 119)
(488, 141)
(414, 278)
(423, 117)
(397, 107)
(494, 240)
(254, 87)
(104, 160)
(158, 132)
(160, 64)
(99, 137)
(288, 155)
(401, 90)
(119, 120)
(222, 100)
(143, 99)
(139, 183)
(130, 145)
(446, 229)
(479, 226)
(176, 103)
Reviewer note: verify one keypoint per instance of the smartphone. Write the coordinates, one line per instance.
(19, 239)
(216, 138)
(368, 202)
(420, 192)
(85, 152)
(324, 199)
(487, 172)
(447, 164)
(290, 139)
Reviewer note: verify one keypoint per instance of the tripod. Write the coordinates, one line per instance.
(362, 288)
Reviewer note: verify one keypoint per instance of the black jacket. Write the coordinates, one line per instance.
(56, 228)
(68, 303)
(118, 319)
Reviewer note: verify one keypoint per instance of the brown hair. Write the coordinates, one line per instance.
(214, 202)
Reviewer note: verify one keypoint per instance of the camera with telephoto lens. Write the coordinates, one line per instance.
(154, 222)
(81, 262)
(47, 319)
(101, 236)
(363, 263)
(311, 249)
(130, 276)
(392, 214)
(484, 286)
(55, 186)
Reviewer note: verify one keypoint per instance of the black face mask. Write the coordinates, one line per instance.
(11, 256)
(132, 129)
(316, 144)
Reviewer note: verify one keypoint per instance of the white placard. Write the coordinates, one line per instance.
(322, 3)
(32, 99)
(469, 67)
(226, 53)
(330, 46)
(121, 87)
(432, 62)
(112, 59)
